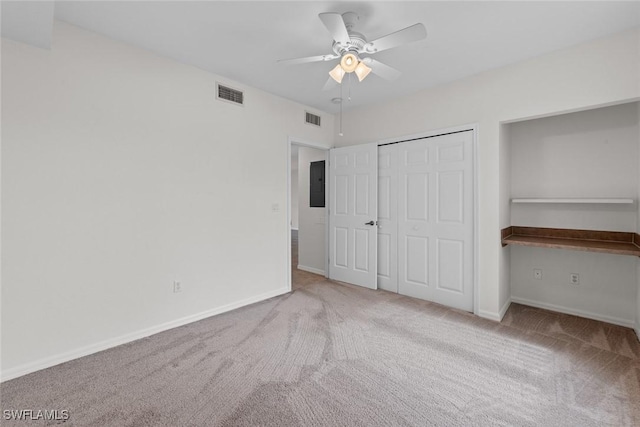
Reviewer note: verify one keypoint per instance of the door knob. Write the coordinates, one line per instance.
(370, 223)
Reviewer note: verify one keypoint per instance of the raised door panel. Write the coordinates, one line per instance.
(384, 256)
(361, 252)
(384, 197)
(416, 197)
(450, 265)
(341, 195)
(451, 197)
(362, 195)
(416, 265)
(341, 247)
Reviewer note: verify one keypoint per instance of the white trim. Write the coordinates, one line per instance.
(489, 315)
(311, 269)
(288, 243)
(638, 332)
(429, 133)
(327, 213)
(571, 110)
(579, 201)
(504, 309)
(288, 219)
(476, 220)
(48, 362)
(581, 313)
(496, 317)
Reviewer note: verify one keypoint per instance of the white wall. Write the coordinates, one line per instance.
(294, 187)
(607, 289)
(596, 73)
(311, 231)
(121, 173)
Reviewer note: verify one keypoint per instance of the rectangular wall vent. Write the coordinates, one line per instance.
(229, 94)
(312, 119)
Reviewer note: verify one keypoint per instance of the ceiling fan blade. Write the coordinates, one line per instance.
(410, 34)
(307, 59)
(330, 84)
(382, 70)
(335, 24)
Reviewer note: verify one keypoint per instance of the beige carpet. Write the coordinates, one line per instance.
(338, 355)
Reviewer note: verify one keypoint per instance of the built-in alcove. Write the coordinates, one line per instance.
(569, 196)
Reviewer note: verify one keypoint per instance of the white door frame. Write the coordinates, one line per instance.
(301, 142)
(474, 127)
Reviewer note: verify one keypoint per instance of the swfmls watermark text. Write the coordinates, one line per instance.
(35, 414)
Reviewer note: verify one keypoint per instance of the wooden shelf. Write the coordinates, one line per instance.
(610, 242)
(583, 201)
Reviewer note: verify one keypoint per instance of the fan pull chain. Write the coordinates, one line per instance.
(340, 134)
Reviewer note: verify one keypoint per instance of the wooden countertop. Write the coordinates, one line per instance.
(611, 242)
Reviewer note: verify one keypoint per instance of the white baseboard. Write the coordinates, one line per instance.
(48, 362)
(504, 309)
(311, 269)
(638, 332)
(491, 315)
(582, 313)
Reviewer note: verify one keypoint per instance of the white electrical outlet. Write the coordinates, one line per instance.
(574, 278)
(537, 274)
(177, 287)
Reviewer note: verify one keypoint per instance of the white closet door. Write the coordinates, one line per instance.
(388, 217)
(353, 210)
(435, 219)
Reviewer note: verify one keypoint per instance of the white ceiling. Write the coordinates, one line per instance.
(242, 40)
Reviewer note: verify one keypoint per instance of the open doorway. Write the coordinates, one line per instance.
(307, 213)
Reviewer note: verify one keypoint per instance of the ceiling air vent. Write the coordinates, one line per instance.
(229, 94)
(312, 119)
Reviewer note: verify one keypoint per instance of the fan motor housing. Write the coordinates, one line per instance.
(355, 45)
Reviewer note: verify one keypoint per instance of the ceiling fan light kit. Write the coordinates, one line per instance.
(349, 62)
(362, 71)
(348, 45)
(337, 73)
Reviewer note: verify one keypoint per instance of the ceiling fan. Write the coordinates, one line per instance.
(350, 46)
